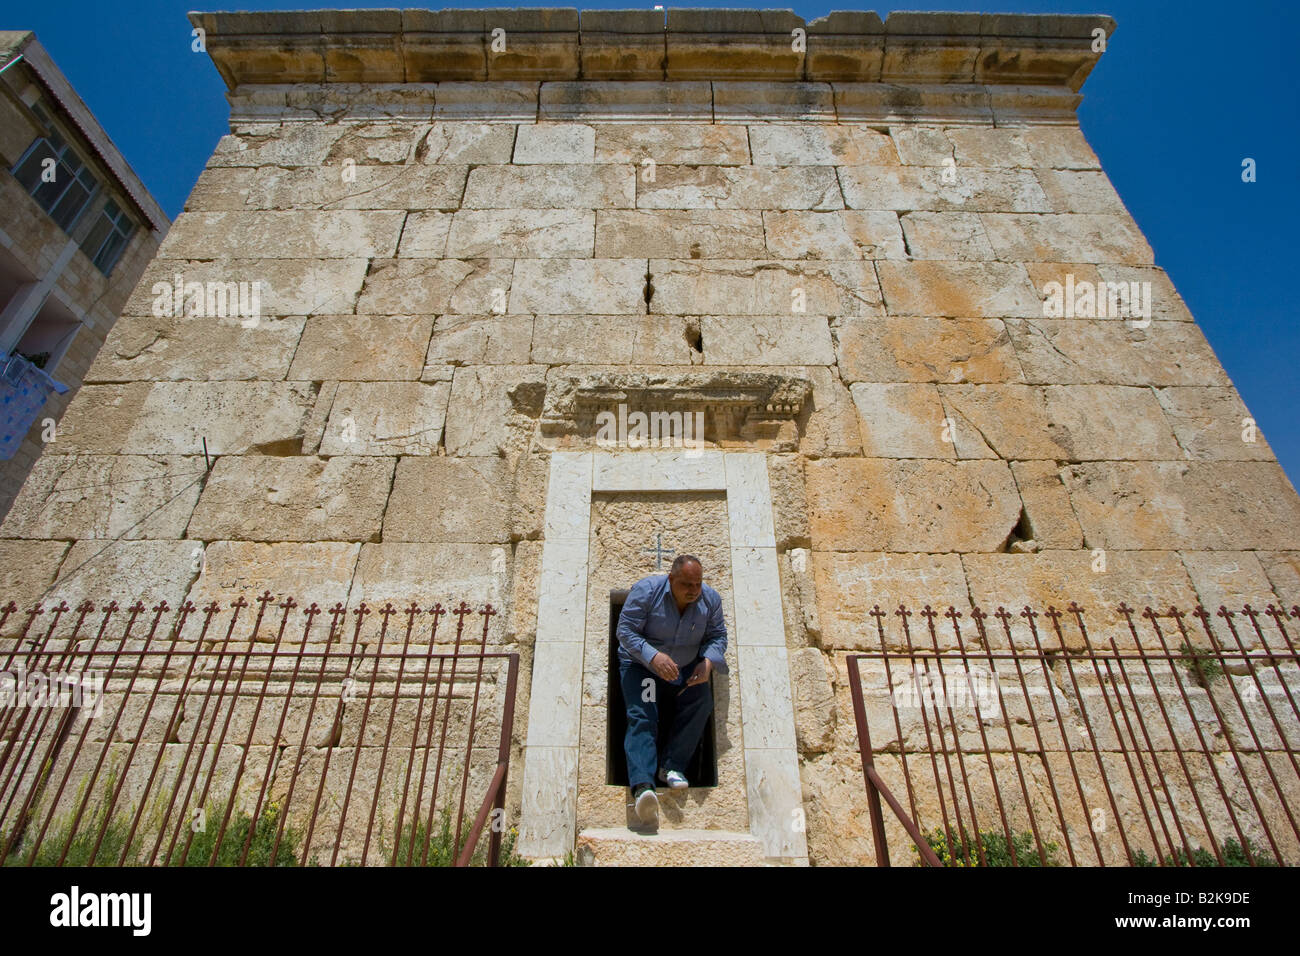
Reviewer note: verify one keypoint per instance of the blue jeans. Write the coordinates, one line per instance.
(640, 744)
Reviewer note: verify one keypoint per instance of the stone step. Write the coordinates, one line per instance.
(616, 846)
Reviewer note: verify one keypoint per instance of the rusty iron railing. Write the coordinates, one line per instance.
(294, 731)
(1171, 741)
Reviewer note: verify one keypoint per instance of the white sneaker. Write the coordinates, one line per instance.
(647, 805)
(673, 779)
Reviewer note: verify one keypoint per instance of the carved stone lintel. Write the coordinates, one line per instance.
(735, 405)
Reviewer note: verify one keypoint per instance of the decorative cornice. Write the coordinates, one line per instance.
(550, 45)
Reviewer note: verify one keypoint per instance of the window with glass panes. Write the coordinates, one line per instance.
(106, 240)
(63, 195)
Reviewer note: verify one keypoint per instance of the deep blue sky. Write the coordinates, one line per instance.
(1185, 91)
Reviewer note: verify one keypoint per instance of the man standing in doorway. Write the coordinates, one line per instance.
(671, 639)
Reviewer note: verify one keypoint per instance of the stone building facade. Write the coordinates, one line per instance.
(74, 243)
(483, 235)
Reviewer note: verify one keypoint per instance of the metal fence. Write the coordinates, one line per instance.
(262, 733)
(1166, 738)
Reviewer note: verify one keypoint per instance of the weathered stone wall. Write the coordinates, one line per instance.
(440, 262)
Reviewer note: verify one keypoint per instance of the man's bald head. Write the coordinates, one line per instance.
(682, 560)
(686, 579)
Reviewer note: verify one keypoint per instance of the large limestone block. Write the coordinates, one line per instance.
(766, 340)
(912, 704)
(149, 348)
(358, 187)
(1052, 523)
(903, 420)
(425, 234)
(1111, 422)
(815, 714)
(1055, 578)
(938, 188)
(669, 145)
(1069, 423)
(1080, 351)
(362, 348)
(916, 505)
(1059, 147)
(222, 189)
(106, 496)
(809, 235)
(1231, 505)
(516, 233)
(375, 143)
(528, 503)
(833, 426)
(946, 235)
(286, 287)
(428, 573)
(985, 146)
(680, 233)
(449, 499)
(293, 144)
(493, 408)
(820, 145)
(1213, 424)
(921, 145)
(435, 286)
(958, 289)
(740, 187)
(839, 825)
(1001, 421)
(851, 584)
(1231, 579)
(469, 143)
(601, 339)
(175, 418)
(1283, 570)
(319, 572)
(925, 350)
(1081, 191)
(386, 418)
(785, 480)
(1166, 303)
(747, 287)
(1067, 237)
(579, 286)
(250, 498)
(522, 623)
(478, 340)
(876, 232)
(297, 234)
(27, 568)
(555, 143)
(551, 186)
(126, 571)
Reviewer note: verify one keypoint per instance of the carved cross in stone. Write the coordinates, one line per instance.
(658, 551)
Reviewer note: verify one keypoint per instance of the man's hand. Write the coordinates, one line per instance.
(701, 673)
(663, 665)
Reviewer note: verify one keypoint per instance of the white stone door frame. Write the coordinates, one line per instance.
(550, 785)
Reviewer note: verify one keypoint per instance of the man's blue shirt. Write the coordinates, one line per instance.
(650, 623)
